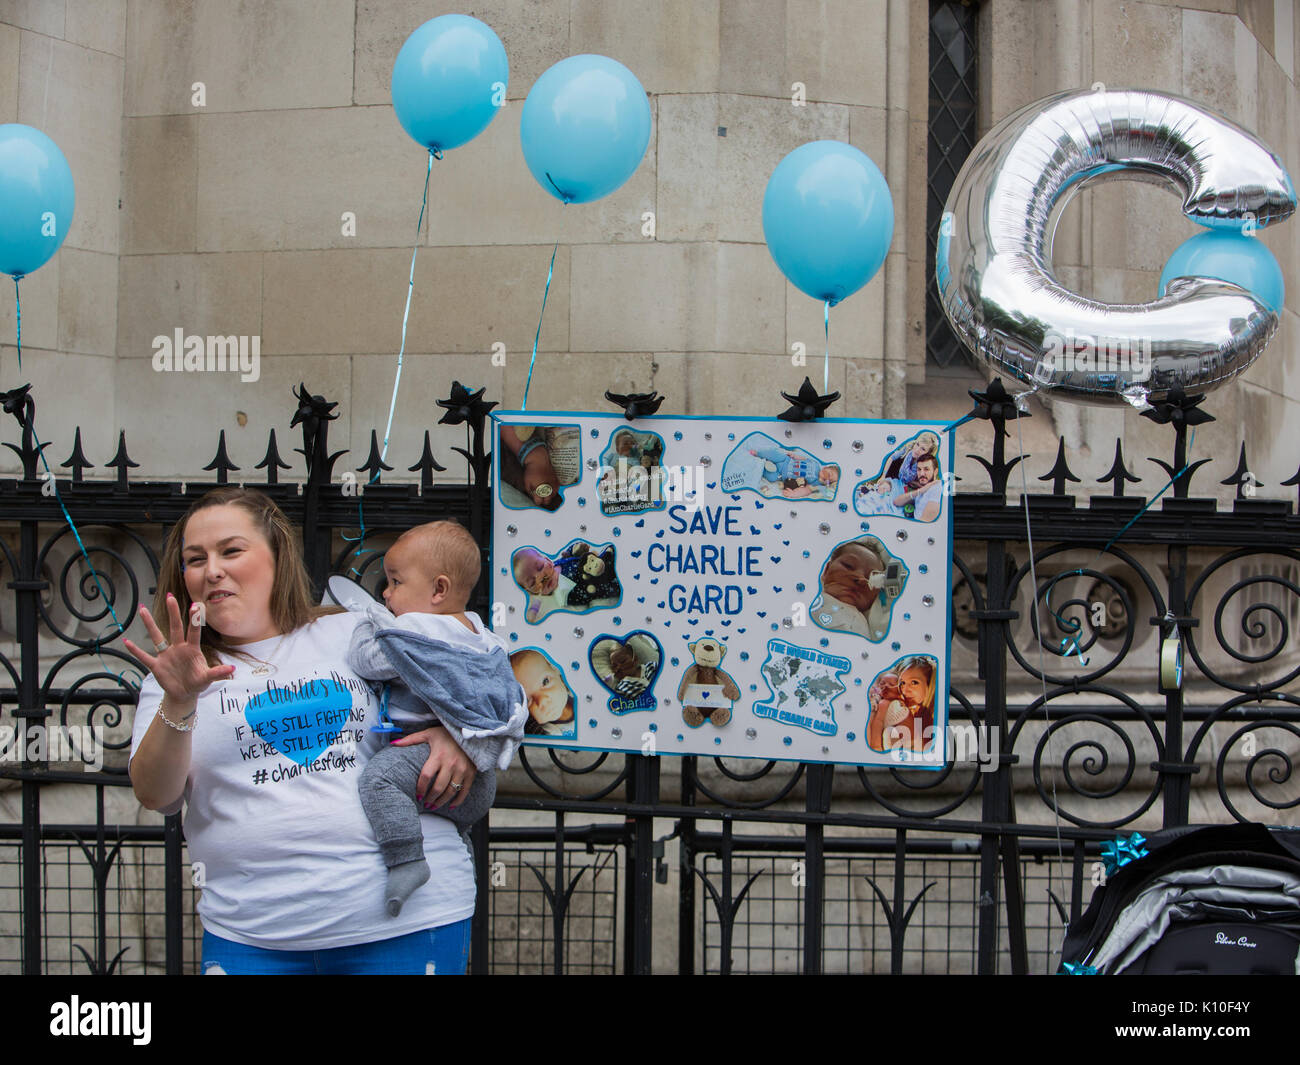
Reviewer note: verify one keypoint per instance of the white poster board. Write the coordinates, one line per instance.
(727, 586)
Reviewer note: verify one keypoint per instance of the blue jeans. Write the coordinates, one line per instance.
(443, 951)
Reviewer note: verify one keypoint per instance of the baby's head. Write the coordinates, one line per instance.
(544, 688)
(432, 569)
(830, 475)
(534, 572)
(623, 661)
(624, 442)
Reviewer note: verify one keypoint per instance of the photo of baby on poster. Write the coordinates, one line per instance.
(727, 586)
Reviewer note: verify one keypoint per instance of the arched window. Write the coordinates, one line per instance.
(952, 136)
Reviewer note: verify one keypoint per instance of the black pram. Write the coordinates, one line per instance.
(1222, 899)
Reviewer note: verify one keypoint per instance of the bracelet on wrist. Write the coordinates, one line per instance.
(182, 727)
(529, 447)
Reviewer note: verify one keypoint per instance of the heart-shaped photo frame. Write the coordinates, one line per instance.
(627, 667)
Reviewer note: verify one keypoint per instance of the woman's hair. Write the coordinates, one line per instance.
(926, 666)
(292, 601)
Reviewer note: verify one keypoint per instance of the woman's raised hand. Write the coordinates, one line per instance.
(178, 664)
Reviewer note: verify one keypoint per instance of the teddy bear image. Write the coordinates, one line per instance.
(702, 679)
(595, 579)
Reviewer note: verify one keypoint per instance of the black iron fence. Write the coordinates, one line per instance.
(768, 866)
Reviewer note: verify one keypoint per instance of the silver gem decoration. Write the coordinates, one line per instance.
(751, 733)
(928, 637)
(901, 534)
(864, 656)
(588, 698)
(930, 540)
(705, 461)
(592, 464)
(577, 634)
(616, 732)
(928, 600)
(708, 436)
(824, 528)
(787, 623)
(511, 530)
(857, 445)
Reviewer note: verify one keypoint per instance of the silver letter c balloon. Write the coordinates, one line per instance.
(992, 261)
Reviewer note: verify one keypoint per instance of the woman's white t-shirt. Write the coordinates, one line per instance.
(289, 860)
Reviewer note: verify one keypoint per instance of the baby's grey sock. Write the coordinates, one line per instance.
(402, 881)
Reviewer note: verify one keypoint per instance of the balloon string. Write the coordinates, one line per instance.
(58, 496)
(826, 363)
(1070, 644)
(1042, 669)
(550, 272)
(18, 315)
(434, 153)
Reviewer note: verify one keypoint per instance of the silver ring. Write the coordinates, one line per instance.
(159, 648)
(456, 787)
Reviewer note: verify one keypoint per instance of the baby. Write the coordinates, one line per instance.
(548, 585)
(887, 692)
(625, 447)
(550, 703)
(787, 464)
(444, 668)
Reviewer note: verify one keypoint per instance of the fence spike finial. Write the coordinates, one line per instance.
(426, 464)
(77, 461)
(121, 461)
(221, 461)
(272, 463)
(1060, 473)
(1118, 472)
(1241, 476)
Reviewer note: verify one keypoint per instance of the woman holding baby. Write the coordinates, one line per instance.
(239, 720)
(902, 707)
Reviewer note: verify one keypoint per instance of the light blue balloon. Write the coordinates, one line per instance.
(828, 218)
(1229, 256)
(585, 127)
(36, 199)
(449, 81)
